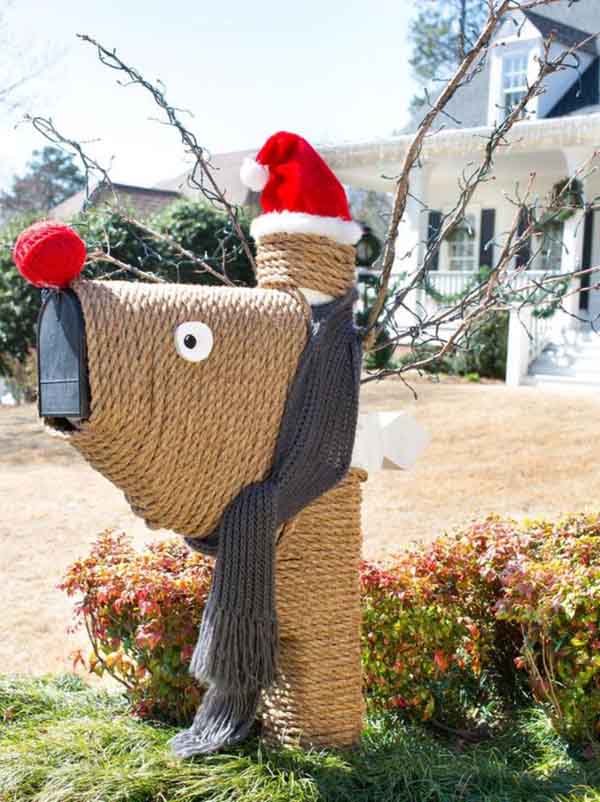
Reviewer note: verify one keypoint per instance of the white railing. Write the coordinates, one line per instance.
(449, 283)
(452, 283)
(528, 334)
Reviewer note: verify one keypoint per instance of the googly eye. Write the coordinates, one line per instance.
(193, 341)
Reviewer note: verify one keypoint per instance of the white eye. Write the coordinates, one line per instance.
(193, 341)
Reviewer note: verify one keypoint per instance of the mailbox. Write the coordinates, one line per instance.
(63, 378)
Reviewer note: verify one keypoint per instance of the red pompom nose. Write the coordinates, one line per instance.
(49, 254)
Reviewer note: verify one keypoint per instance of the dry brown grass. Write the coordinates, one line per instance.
(516, 452)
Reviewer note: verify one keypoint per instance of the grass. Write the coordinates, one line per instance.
(63, 742)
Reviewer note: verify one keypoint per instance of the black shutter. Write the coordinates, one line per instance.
(486, 236)
(434, 224)
(586, 258)
(524, 254)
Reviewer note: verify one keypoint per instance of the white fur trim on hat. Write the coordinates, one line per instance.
(254, 175)
(346, 232)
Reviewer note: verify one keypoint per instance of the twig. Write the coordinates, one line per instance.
(202, 162)
(100, 256)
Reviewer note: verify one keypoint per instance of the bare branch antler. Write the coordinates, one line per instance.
(202, 175)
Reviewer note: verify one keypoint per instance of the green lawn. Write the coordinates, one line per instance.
(62, 742)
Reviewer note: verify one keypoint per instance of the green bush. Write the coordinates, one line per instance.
(23, 377)
(19, 302)
(382, 354)
(482, 353)
(195, 226)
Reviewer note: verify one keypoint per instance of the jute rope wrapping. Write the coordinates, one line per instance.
(305, 260)
(183, 439)
(179, 438)
(318, 700)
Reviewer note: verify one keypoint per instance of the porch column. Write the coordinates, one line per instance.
(410, 243)
(573, 230)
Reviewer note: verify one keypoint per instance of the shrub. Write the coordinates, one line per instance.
(142, 612)
(458, 631)
(195, 226)
(19, 301)
(23, 377)
(431, 642)
(481, 354)
(382, 354)
(554, 597)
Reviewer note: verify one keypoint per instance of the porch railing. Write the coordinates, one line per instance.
(452, 283)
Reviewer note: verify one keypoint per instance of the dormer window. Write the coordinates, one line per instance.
(514, 81)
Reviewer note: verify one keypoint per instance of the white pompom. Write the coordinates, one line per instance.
(254, 175)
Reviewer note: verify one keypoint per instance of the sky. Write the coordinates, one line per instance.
(331, 70)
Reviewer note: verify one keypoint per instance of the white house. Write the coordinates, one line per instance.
(560, 134)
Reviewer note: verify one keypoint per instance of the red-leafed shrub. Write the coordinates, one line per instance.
(451, 630)
(553, 596)
(432, 645)
(142, 611)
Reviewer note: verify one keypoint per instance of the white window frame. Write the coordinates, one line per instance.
(516, 88)
(475, 214)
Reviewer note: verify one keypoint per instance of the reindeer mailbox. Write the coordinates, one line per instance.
(228, 415)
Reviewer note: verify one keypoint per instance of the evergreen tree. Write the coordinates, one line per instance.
(440, 34)
(50, 177)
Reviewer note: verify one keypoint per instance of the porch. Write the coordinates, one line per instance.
(538, 156)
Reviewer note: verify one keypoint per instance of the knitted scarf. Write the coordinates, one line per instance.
(236, 653)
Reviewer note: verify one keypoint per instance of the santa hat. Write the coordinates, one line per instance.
(300, 194)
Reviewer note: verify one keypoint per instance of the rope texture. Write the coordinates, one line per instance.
(188, 441)
(305, 260)
(182, 439)
(317, 697)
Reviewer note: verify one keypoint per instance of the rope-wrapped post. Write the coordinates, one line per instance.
(317, 699)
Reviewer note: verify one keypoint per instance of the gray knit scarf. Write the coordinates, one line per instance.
(236, 653)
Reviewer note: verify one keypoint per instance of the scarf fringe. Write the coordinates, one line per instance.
(234, 653)
(222, 720)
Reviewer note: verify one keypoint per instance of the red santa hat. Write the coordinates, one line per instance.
(299, 193)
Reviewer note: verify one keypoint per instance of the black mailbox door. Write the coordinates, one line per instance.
(62, 363)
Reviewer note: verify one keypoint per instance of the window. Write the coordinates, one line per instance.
(550, 246)
(461, 246)
(514, 81)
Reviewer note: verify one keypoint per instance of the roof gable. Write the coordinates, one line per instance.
(577, 14)
(564, 33)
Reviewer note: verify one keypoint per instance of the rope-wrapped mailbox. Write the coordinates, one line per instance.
(228, 415)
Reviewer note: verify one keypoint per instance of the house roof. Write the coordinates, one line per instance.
(366, 163)
(468, 107)
(565, 34)
(144, 201)
(582, 15)
(226, 170)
